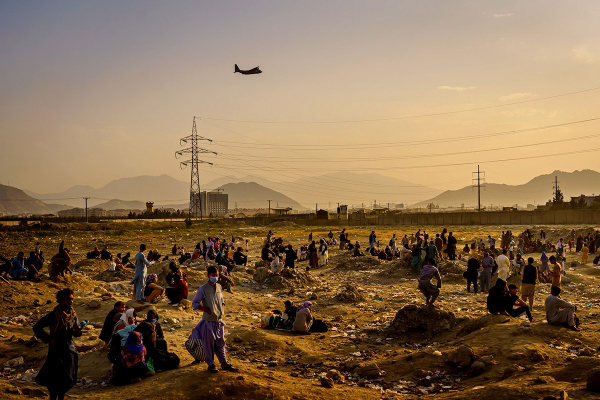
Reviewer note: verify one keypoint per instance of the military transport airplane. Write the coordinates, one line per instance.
(252, 71)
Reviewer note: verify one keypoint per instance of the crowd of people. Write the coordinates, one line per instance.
(137, 347)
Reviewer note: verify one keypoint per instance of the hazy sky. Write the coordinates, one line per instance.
(94, 91)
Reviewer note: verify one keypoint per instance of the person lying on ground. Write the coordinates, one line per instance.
(559, 311)
(152, 291)
(430, 291)
(511, 299)
(110, 321)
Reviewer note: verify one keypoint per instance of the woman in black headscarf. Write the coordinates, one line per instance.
(496, 301)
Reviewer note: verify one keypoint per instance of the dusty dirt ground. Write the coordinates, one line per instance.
(375, 356)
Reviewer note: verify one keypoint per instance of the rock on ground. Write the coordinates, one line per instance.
(462, 356)
(412, 318)
(351, 294)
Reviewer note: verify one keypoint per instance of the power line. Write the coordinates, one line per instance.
(408, 116)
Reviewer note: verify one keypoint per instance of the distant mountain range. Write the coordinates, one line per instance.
(537, 191)
(14, 201)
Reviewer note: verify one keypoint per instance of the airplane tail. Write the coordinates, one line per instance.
(237, 69)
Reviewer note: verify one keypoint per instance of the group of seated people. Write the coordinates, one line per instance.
(97, 254)
(296, 319)
(21, 268)
(502, 299)
(136, 350)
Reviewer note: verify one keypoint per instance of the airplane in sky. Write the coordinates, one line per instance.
(252, 71)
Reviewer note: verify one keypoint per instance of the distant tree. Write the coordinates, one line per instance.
(558, 197)
(577, 203)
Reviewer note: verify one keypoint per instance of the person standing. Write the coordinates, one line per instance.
(210, 330)
(486, 273)
(439, 244)
(452, 247)
(372, 238)
(392, 244)
(343, 239)
(556, 272)
(471, 274)
(139, 278)
(503, 265)
(530, 274)
(59, 372)
(584, 254)
(290, 257)
(323, 253)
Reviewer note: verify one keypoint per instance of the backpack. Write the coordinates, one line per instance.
(391, 242)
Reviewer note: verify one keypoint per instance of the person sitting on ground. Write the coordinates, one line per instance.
(105, 254)
(596, 261)
(94, 254)
(277, 264)
(127, 261)
(18, 269)
(154, 255)
(382, 256)
(177, 291)
(126, 319)
(152, 291)
(356, 251)
(430, 291)
(304, 319)
(110, 321)
(36, 260)
(302, 253)
(511, 299)
(131, 365)
(497, 295)
(196, 253)
(290, 257)
(559, 311)
(290, 311)
(267, 254)
(5, 266)
(118, 262)
(389, 254)
(152, 334)
(60, 264)
(239, 257)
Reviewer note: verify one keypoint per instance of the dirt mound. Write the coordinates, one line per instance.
(114, 276)
(91, 266)
(476, 324)
(425, 320)
(289, 278)
(347, 262)
(351, 294)
(452, 270)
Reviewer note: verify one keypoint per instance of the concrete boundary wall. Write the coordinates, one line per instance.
(552, 217)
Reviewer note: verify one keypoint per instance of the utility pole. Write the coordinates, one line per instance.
(479, 179)
(269, 208)
(195, 208)
(86, 209)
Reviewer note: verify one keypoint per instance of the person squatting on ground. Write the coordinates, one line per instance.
(430, 291)
(210, 330)
(59, 372)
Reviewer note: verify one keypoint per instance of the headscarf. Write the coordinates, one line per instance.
(62, 318)
(125, 317)
(306, 304)
(544, 257)
(150, 278)
(134, 351)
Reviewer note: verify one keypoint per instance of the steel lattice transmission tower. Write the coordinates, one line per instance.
(193, 151)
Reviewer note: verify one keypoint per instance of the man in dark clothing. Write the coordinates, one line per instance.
(59, 372)
(110, 321)
(239, 257)
(497, 298)
(290, 257)
(511, 299)
(452, 247)
(343, 239)
(105, 254)
(471, 274)
(152, 333)
(267, 254)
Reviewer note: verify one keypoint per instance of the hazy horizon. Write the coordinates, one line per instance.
(93, 92)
